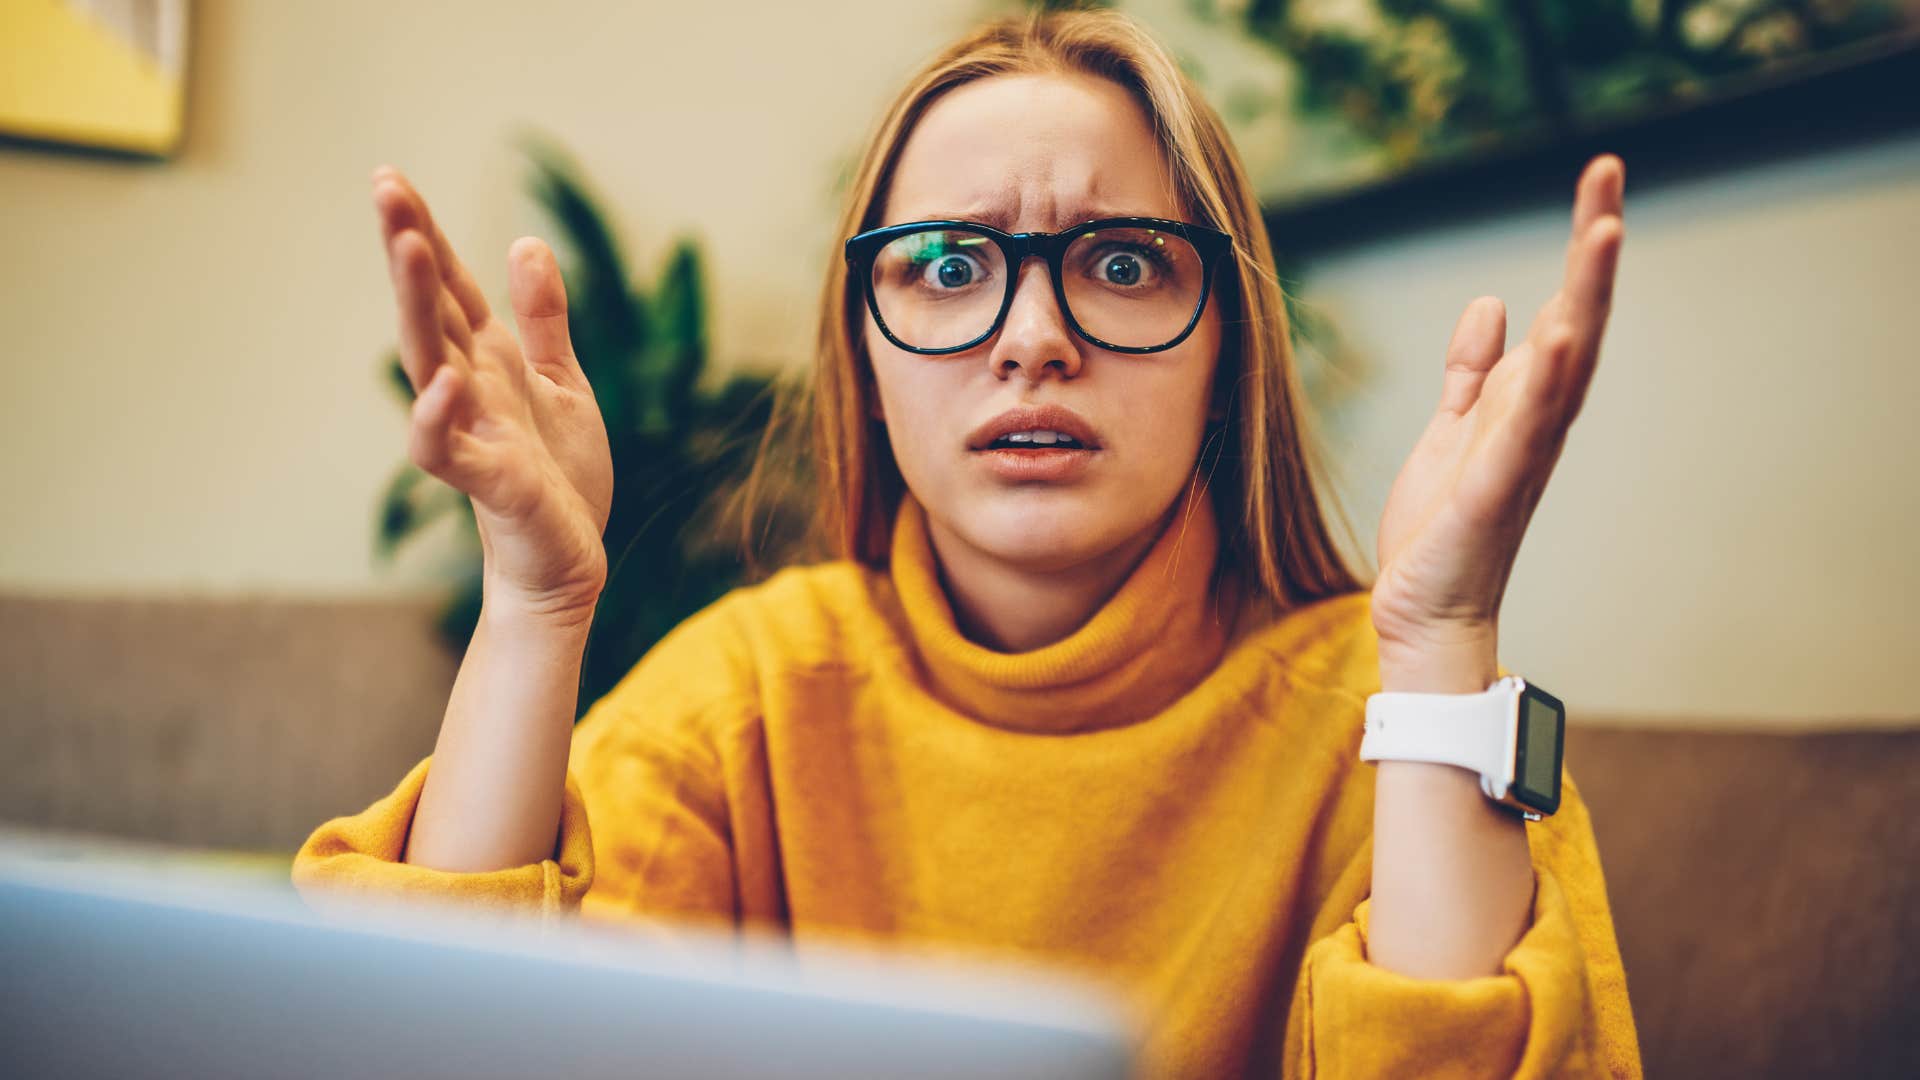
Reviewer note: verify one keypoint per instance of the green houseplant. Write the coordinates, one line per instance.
(679, 449)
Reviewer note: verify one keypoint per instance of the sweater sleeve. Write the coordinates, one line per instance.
(1558, 1007)
(359, 855)
(644, 834)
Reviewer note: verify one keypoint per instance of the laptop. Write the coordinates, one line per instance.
(114, 972)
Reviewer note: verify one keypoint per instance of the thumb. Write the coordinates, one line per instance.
(540, 310)
(1479, 339)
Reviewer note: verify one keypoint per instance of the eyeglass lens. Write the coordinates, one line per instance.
(1132, 287)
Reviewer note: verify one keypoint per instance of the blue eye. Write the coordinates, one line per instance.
(1126, 264)
(949, 271)
(955, 272)
(1122, 270)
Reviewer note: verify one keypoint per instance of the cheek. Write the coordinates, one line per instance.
(909, 397)
(896, 379)
(1167, 411)
(1176, 415)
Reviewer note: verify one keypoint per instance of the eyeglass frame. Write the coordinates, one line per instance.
(1016, 248)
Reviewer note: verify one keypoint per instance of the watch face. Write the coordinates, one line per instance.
(1537, 759)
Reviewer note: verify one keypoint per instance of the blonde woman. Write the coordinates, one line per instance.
(1087, 680)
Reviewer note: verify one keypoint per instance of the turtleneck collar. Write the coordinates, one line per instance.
(1147, 645)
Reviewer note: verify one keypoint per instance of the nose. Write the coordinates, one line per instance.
(1035, 338)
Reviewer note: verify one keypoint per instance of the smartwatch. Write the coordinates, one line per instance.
(1511, 734)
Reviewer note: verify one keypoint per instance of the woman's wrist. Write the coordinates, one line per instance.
(1452, 875)
(1466, 666)
(515, 612)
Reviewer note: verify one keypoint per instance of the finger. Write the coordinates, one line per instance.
(1591, 266)
(417, 292)
(1585, 295)
(401, 207)
(540, 309)
(1479, 339)
(429, 436)
(1597, 194)
(1542, 417)
(453, 323)
(1589, 302)
(1524, 439)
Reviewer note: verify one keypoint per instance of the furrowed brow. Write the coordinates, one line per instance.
(999, 218)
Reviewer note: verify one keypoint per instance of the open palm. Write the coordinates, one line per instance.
(519, 433)
(1458, 510)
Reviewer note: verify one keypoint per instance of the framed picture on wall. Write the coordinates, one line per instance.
(104, 74)
(1348, 111)
(1391, 88)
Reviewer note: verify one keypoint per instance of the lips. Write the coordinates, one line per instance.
(1036, 418)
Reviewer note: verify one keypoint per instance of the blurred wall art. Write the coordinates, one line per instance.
(1342, 95)
(105, 74)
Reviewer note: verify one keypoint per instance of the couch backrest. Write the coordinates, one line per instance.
(234, 723)
(1766, 894)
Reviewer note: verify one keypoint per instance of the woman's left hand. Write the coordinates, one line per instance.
(1457, 512)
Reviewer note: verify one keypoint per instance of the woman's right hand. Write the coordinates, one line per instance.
(519, 433)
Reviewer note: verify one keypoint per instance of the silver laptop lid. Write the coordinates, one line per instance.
(111, 973)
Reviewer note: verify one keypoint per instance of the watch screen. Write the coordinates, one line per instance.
(1540, 768)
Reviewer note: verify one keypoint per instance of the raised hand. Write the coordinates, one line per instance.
(1460, 506)
(519, 433)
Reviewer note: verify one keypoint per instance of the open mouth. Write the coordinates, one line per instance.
(1040, 432)
(1035, 440)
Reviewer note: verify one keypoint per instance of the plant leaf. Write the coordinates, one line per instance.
(396, 517)
(412, 501)
(397, 376)
(680, 351)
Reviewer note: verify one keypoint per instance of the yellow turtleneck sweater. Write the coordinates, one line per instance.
(1169, 799)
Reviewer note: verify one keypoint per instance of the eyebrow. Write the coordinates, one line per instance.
(1000, 219)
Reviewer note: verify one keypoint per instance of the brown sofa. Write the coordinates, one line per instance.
(1766, 893)
(1765, 887)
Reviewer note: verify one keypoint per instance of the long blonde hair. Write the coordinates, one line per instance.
(1265, 476)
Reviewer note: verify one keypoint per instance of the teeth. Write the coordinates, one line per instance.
(1037, 438)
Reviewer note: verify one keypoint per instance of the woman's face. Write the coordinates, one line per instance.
(1040, 153)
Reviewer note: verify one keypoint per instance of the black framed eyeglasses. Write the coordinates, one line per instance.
(1129, 284)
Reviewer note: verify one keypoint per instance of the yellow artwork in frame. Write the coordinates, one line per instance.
(100, 73)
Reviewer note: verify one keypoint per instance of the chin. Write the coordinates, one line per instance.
(1047, 527)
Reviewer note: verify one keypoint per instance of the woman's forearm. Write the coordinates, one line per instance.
(1452, 874)
(493, 796)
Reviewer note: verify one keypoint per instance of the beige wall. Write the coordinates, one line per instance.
(1734, 525)
(191, 393)
(189, 397)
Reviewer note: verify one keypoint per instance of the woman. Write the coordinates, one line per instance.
(1098, 702)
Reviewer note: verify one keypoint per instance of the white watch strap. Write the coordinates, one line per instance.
(1468, 730)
